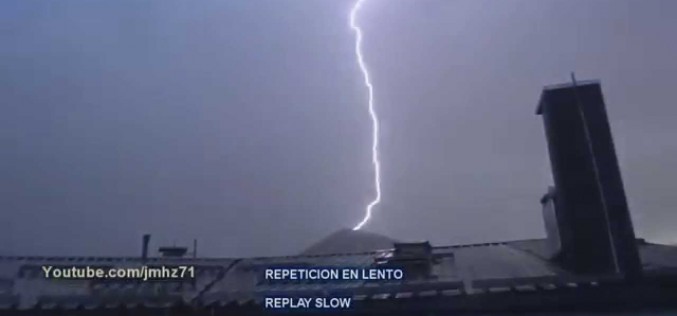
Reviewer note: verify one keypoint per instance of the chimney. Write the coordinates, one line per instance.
(593, 221)
(144, 246)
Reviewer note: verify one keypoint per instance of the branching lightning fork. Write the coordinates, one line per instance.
(372, 113)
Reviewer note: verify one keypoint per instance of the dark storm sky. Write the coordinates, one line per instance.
(244, 123)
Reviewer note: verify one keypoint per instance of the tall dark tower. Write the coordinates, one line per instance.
(593, 221)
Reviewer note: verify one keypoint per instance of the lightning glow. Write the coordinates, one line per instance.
(372, 114)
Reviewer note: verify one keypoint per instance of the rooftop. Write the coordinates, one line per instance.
(489, 270)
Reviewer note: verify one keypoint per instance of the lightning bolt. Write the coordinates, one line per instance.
(372, 114)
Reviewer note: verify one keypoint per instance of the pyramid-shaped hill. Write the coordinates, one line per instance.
(349, 241)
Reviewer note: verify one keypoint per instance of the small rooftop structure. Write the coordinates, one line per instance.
(173, 251)
(413, 250)
(416, 258)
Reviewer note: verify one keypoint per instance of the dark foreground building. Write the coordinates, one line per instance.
(590, 261)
